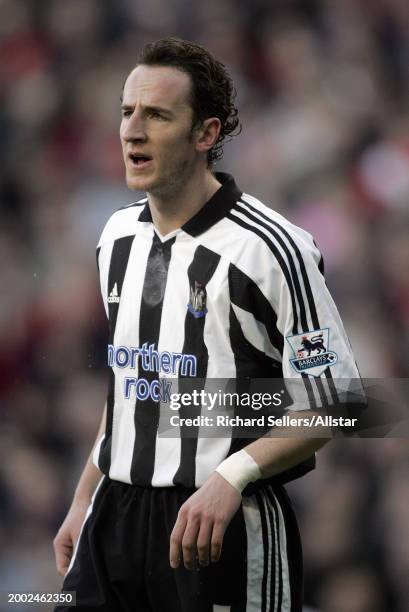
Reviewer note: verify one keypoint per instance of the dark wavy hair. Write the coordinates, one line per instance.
(212, 93)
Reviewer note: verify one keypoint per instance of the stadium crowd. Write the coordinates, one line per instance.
(323, 92)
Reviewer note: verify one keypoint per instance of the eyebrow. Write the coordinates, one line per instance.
(158, 109)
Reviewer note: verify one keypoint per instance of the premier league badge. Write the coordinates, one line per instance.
(311, 352)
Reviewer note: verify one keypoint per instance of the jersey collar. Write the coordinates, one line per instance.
(213, 211)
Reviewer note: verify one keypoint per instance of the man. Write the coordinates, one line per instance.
(199, 281)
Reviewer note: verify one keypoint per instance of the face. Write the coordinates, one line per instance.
(160, 149)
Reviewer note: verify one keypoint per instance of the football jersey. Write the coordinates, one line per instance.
(236, 293)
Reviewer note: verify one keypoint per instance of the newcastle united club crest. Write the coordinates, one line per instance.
(311, 352)
(197, 302)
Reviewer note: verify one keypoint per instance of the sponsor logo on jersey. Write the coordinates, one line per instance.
(197, 302)
(113, 297)
(311, 352)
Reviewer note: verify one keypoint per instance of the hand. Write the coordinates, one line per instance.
(202, 522)
(67, 536)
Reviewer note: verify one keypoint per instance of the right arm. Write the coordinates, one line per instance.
(67, 536)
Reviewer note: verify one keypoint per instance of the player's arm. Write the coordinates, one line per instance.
(203, 519)
(67, 536)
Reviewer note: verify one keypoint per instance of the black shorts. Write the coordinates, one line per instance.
(121, 563)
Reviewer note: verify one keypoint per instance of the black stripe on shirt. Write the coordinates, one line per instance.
(146, 417)
(321, 391)
(321, 266)
(279, 258)
(332, 387)
(117, 269)
(246, 295)
(250, 361)
(310, 392)
(97, 255)
(290, 258)
(200, 271)
(304, 275)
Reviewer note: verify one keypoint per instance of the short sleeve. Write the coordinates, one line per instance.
(317, 354)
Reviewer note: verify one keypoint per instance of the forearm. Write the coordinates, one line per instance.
(274, 453)
(91, 474)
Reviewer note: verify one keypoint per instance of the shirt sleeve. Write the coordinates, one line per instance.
(317, 359)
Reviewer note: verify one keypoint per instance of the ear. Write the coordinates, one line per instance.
(207, 134)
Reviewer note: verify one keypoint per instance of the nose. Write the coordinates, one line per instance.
(133, 128)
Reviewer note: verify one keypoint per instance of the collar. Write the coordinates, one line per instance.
(213, 211)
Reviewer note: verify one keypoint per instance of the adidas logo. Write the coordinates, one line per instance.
(113, 297)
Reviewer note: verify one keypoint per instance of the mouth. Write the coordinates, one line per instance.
(138, 160)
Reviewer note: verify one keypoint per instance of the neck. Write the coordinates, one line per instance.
(170, 212)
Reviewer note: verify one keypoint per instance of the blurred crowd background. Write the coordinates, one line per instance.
(323, 91)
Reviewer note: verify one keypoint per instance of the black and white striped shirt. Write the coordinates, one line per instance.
(237, 291)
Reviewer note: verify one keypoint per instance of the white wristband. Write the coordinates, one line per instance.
(239, 469)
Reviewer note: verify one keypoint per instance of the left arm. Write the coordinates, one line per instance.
(205, 516)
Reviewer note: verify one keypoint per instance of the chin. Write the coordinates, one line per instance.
(138, 183)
